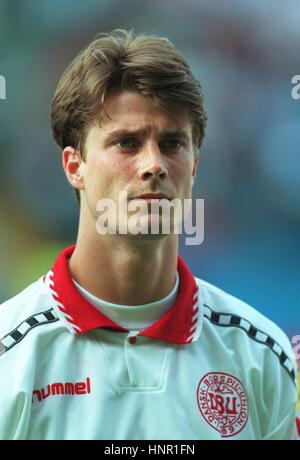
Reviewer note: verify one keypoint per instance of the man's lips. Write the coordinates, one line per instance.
(152, 196)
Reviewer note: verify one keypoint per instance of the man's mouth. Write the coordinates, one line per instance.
(152, 196)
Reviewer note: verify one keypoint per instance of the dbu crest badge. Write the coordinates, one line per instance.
(222, 402)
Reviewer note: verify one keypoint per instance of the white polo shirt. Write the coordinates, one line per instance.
(211, 367)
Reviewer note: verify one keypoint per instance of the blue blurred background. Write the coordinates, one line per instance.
(244, 53)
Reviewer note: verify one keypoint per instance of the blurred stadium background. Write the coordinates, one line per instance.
(244, 54)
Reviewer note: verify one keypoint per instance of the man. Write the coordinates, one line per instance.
(119, 340)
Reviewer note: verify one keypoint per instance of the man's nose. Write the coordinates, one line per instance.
(152, 165)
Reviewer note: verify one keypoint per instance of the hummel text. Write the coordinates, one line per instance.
(58, 388)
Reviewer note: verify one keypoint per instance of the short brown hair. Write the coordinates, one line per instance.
(147, 64)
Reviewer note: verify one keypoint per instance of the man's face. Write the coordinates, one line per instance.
(137, 149)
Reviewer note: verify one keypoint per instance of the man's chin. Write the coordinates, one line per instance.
(151, 225)
(148, 226)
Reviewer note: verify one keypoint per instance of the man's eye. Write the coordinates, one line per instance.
(126, 143)
(170, 144)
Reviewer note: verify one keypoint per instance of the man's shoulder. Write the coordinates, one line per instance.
(26, 309)
(224, 310)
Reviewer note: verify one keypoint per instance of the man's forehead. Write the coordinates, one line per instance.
(143, 125)
(132, 111)
(144, 129)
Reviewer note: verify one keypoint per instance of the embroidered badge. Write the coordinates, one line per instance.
(222, 402)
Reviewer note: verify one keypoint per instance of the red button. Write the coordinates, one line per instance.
(132, 340)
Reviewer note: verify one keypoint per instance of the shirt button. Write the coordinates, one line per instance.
(132, 340)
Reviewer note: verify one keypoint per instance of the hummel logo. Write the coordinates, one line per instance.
(58, 388)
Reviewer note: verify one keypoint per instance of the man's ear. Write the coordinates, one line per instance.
(72, 164)
(194, 173)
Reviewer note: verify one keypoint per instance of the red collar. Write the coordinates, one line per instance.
(180, 324)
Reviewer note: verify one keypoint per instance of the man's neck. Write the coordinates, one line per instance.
(125, 271)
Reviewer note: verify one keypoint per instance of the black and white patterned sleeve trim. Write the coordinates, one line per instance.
(12, 338)
(230, 320)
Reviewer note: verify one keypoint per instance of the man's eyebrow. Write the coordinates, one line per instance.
(182, 133)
